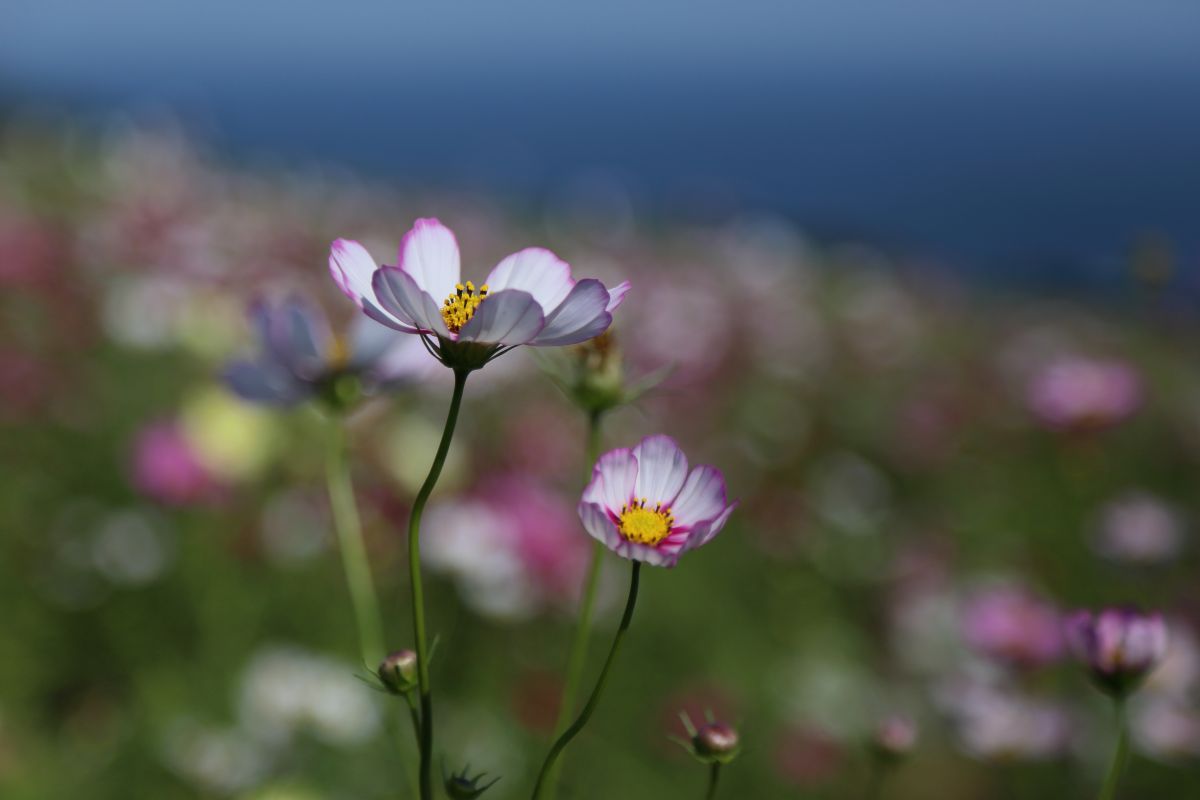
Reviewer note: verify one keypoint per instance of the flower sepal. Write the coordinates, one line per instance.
(398, 672)
(462, 786)
(465, 356)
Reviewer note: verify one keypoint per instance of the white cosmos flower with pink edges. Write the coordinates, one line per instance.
(644, 505)
(530, 297)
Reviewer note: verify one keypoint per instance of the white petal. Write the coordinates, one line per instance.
(613, 480)
(701, 498)
(534, 270)
(706, 531)
(429, 253)
(508, 317)
(599, 525)
(581, 316)
(352, 269)
(662, 469)
(399, 295)
(616, 296)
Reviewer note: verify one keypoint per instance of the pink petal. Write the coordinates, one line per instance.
(534, 270)
(429, 253)
(399, 295)
(702, 497)
(662, 469)
(616, 296)
(508, 317)
(581, 316)
(613, 481)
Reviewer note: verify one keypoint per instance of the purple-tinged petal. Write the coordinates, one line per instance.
(399, 296)
(429, 254)
(369, 340)
(1080, 636)
(1145, 642)
(352, 269)
(301, 336)
(1109, 630)
(265, 382)
(616, 296)
(702, 497)
(599, 525)
(704, 532)
(534, 270)
(580, 316)
(662, 469)
(613, 480)
(510, 317)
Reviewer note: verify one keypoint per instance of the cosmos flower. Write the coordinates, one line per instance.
(302, 358)
(1010, 624)
(166, 466)
(530, 297)
(644, 505)
(1082, 394)
(1139, 528)
(1118, 646)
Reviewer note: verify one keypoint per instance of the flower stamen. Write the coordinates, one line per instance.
(461, 305)
(642, 525)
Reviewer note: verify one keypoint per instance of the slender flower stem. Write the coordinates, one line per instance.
(583, 628)
(714, 774)
(425, 740)
(354, 554)
(594, 699)
(1120, 755)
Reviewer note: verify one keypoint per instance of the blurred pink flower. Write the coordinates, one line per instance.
(514, 548)
(807, 757)
(1139, 528)
(166, 467)
(1010, 624)
(999, 725)
(1166, 729)
(1083, 394)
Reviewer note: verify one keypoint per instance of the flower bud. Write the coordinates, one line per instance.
(716, 741)
(464, 787)
(398, 671)
(895, 737)
(1118, 646)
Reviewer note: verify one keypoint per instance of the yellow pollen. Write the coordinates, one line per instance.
(461, 305)
(339, 352)
(643, 525)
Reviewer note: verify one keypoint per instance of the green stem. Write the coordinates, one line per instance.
(425, 740)
(714, 775)
(577, 655)
(1120, 755)
(593, 700)
(354, 554)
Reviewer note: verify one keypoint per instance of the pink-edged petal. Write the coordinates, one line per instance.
(704, 532)
(613, 480)
(352, 268)
(599, 525)
(508, 317)
(701, 498)
(399, 295)
(534, 270)
(654, 556)
(429, 253)
(616, 296)
(662, 469)
(581, 316)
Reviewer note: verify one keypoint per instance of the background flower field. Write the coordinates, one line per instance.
(930, 473)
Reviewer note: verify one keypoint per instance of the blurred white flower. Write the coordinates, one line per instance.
(223, 761)
(286, 691)
(1139, 528)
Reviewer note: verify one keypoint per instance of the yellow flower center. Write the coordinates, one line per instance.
(460, 306)
(643, 525)
(339, 352)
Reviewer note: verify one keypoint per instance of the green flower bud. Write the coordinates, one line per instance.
(398, 672)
